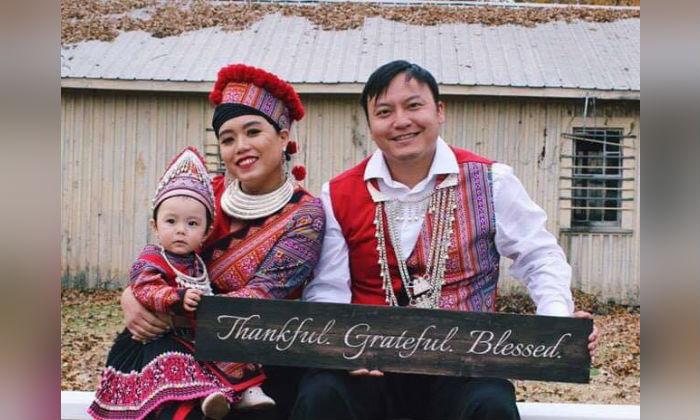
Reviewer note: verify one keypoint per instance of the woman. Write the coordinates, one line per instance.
(261, 215)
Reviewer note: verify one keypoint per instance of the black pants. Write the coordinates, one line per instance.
(326, 394)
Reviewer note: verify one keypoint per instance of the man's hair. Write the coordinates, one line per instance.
(379, 81)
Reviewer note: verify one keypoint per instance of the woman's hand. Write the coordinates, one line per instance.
(142, 323)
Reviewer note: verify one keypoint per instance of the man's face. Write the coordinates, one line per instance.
(405, 121)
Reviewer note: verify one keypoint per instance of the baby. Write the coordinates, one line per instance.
(142, 378)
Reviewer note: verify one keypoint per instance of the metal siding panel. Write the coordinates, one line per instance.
(333, 62)
(622, 58)
(170, 65)
(106, 186)
(87, 63)
(77, 184)
(293, 45)
(113, 60)
(67, 176)
(579, 71)
(275, 42)
(532, 71)
(419, 45)
(114, 150)
(550, 130)
(194, 66)
(631, 50)
(92, 247)
(605, 265)
(228, 49)
(149, 125)
(130, 247)
(210, 63)
(566, 55)
(384, 44)
(498, 57)
(595, 56)
(84, 162)
(304, 62)
(371, 32)
(352, 53)
(121, 190)
(257, 40)
(332, 138)
(464, 54)
(144, 66)
(482, 62)
(444, 53)
(548, 64)
(318, 60)
(518, 68)
(554, 54)
(397, 36)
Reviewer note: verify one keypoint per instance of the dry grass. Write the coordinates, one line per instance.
(83, 20)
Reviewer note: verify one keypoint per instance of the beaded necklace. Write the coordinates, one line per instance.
(200, 283)
(423, 290)
(240, 205)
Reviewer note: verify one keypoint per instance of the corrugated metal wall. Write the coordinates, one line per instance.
(115, 145)
(113, 149)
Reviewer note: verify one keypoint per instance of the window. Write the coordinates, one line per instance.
(598, 175)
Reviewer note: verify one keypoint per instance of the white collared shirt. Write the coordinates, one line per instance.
(538, 261)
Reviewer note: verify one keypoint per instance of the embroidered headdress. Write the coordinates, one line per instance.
(186, 176)
(245, 90)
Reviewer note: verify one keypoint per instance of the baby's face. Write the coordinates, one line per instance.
(181, 224)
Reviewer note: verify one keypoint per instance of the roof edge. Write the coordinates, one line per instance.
(350, 88)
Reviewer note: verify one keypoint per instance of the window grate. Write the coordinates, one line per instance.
(597, 172)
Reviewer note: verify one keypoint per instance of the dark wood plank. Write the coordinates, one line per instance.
(408, 340)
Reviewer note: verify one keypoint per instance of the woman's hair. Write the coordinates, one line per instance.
(379, 81)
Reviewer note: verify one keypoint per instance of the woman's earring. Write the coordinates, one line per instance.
(299, 172)
(285, 161)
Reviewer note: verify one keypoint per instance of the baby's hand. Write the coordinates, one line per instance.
(191, 300)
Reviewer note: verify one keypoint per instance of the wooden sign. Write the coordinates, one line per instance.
(406, 340)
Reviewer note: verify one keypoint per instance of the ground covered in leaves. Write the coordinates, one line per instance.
(91, 319)
(83, 20)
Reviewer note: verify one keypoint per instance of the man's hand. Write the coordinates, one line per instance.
(142, 323)
(593, 338)
(366, 372)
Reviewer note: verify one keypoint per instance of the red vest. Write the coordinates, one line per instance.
(471, 272)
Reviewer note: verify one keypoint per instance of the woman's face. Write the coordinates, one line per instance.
(251, 149)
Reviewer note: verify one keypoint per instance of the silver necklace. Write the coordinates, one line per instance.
(200, 283)
(409, 210)
(240, 205)
(423, 291)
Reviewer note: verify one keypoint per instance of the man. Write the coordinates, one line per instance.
(421, 224)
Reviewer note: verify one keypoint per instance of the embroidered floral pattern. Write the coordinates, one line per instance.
(472, 249)
(171, 376)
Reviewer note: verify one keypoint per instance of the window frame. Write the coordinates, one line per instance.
(628, 215)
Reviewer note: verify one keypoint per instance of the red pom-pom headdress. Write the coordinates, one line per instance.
(263, 92)
(258, 89)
